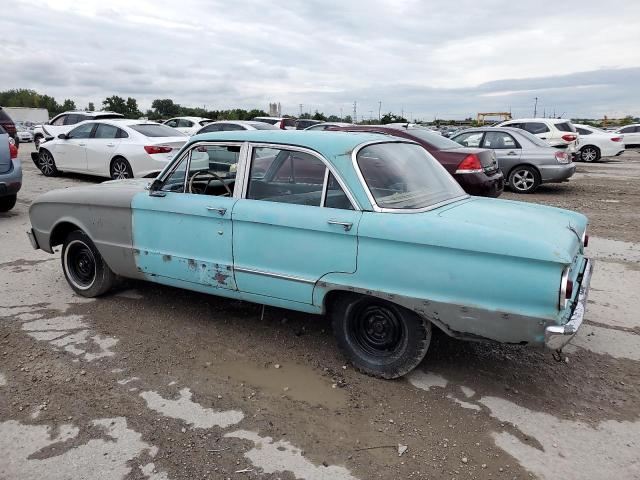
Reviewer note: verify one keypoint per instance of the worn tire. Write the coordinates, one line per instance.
(394, 342)
(590, 153)
(83, 266)
(7, 202)
(47, 164)
(524, 179)
(120, 169)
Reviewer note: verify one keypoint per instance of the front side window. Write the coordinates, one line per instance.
(499, 140)
(59, 121)
(286, 176)
(182, 123)
(173, 123)
(83, 131)
(536, 127)
(471, 139)
(74, 118)
(405, 176)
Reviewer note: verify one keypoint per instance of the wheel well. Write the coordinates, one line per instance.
(524, 165)
(592, 146)
(332, 297)
(60, 232)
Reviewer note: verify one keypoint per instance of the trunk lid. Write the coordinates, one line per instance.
(487, 157)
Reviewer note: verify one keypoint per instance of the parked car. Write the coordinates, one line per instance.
(187, 125)
(386, 242)
(10, 171)
(24, 135)
(475, 169)
(115, 148)
(304, 123)
(595, 143)
(328, 125)
(630, 135)
(557, 132)
(283, 123)
(9, 127)
(525, 160)
(64, 122)
(231, 125)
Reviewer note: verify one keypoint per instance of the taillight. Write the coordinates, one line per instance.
(282, 126)
(470, 164)
(616, 139)
(569, 138)
(562, 157)
(153, 149)
(585, 239)
(569, 290)
(13, 150)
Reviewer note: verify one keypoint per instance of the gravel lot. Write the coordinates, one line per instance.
(158, 383)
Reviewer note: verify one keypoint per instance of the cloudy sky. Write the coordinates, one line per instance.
(425, 58)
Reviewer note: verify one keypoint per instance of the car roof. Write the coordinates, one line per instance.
(89, 113)
(195, 119)
(550, 120)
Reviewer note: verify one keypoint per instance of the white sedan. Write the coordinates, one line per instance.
(630, 133)
(594, 143)
(110, 148)
(231, 125)
(187, 125)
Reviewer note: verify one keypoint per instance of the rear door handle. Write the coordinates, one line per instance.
(220, 210)
(347, 225)
(111, 144)
(512, 153)
(82, 144)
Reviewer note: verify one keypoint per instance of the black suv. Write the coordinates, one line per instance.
(9, 126)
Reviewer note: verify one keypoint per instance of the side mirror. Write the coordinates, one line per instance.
(63, 136)
(154, 188)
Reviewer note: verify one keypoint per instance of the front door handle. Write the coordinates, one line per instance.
(347, 225)
(220, 210)
(111, 144)
(82, 144)
(512, 153)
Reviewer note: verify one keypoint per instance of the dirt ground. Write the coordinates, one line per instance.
(159, 383)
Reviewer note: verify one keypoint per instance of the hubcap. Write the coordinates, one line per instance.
(120, 171)
(46, 163)
(81, 264)
(589, 154)
(377, 330)
(523, 180)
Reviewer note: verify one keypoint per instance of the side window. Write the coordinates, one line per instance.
(83, 131)
(471, 139)
(173, 123)
(74, 118)
(182, 123)
(628, 130)
(106, 131)
(535, 127)
(230, 127)
(122, 134)
(290, 177)
(336, 198)
(583, 131)
(499, 140)
(214, 127)
(175, 181)
(60, 120)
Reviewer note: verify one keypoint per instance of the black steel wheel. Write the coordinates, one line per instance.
(380, 338)
(83, 266)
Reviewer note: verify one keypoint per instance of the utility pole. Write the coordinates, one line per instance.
(535, 108)
(355, 111)
(300, 109)
(370, 114)
(341, 116)
(379, 110)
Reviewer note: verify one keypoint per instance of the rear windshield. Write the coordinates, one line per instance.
(271, 121)
(405, 176)
(153, 130)
(263, 126)
(289, 122)
(532, 138)
(435, 139)
(4, 117)
(106, 116)
(565, 127)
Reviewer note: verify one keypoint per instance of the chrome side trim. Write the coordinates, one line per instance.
(274, 275)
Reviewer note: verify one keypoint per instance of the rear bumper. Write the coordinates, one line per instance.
(32, 239)
(557, 336)
(481, 184)
(11, 181)
(557, 173)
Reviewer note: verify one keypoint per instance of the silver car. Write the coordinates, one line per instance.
(525, 160)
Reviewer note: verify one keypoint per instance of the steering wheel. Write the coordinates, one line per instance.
(214, 175)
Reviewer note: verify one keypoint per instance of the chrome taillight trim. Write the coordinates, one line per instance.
(564, 281)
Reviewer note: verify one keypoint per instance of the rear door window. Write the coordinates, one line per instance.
(470, 139)
(536, 127)
(173, 123)
(583, 131)
(60, 120)
(182, 123)
(565, 127)
(212, 127)
(109, 131)
(74, 118)
(289, 122)
(230, 127)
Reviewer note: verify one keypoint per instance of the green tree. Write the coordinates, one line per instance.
(115, 104)
(165, 107)
(392, 118)
(628, 120)
(319, 116)
(92, 107)
(68, 105)
(132, 108)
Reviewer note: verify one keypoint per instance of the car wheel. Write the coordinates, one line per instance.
(36, 141)
(380, 338)
(120, 169)
(7, 202)
(47, 164)
(589, 154)
(524, 179)
(83, 266)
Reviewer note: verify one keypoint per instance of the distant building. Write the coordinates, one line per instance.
(27, 115)
(275, 110)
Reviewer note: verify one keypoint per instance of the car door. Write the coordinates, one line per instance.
(70, 153)
(102, 147)
(508, 151)
(294, 224)
(182, 233)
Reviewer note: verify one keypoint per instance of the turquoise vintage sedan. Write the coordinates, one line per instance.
(369, 229)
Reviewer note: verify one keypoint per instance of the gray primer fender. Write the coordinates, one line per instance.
(102, 211)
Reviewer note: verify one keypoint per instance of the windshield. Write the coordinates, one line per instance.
(435, 139)
(405, 176)
(156, 130)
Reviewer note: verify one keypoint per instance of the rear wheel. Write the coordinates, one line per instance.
(120, 169)
(524, 179)
(380, 338)
(590, 153)
(84, 267)
(47, 164)
(7, 202)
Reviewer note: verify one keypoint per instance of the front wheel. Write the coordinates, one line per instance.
(590, 154)
(524, 179)
(47, 164)
(84, 267)
(380, 338)
(120, 169)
